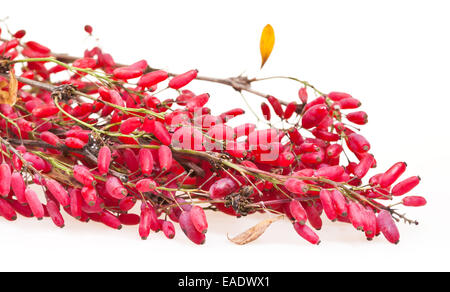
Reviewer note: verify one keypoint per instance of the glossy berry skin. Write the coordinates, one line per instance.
(55, 214)
(5, 179)
(275, 103)
(314, 116)
(82, 174)
(298, 212)
(104, 160)
(414, 201)
(296, 186)
(7, 211)
(327, 203)
(152, 78)
(58, 191)
(198, 218)
(405, 186)
(189, 229)
(265, 111)
(34, 203)
(359, 117)
(307, 233)
(222, 188)
(392, 174)
(387, 226)
(146, 161)
(183, 79)
(357, 143)
(146, 185)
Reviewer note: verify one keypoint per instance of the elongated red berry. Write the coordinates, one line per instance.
(76, 201)
(129, 219)
(189, 229)
(55, 214)
(146, 161)
(58, 191)
(296, 186)
(18, 187)
(125, 73)
(307, 233)
(104, 160)
(34, 203)
(339, 202)
(7, 211)
(89, 195)
(392, 174)
(327, 204)
(298, 212)
(5, 179)
(162, 134)
(405, 186)
(165, 158)
(414, 201)
(303, 95)
(387, 226)
(146, 185)
(183, 79)
(314, 116)
(144, 224)
(152, 78)
(275, 103)
(75, 143)
(355, 216)
(359, 117)
(265, 111)
(290, 109)
(130, 125)
(50, 138)
(357, 143)
(222, 188)
(349, 103)
(168, 229)
(115, 188)
(336, 96)
(364, 165)
(110, 220)
(198, 218)
(82, 174)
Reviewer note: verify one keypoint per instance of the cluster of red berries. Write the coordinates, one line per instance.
(99, 148)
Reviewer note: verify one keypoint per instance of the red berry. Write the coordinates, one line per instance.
(34, 203)
(405, 186)
(189, 229)
(307, 233)
(387, 226)
(104, 160)
(183, 79)
(265, 111)
(298, 212)
(222, 188)
(152, 78)
(198, 218)
(392, 174)
(5, 179)
(414, 201)
(314, 116)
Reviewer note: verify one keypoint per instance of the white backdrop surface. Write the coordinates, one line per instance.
(392, 55)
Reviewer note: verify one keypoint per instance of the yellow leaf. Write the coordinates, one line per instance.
(10, 96)
(266, 44)
(254, 232)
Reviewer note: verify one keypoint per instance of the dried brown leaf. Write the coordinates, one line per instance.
(254, 232)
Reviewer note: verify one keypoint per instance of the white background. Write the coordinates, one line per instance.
(392, 55)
